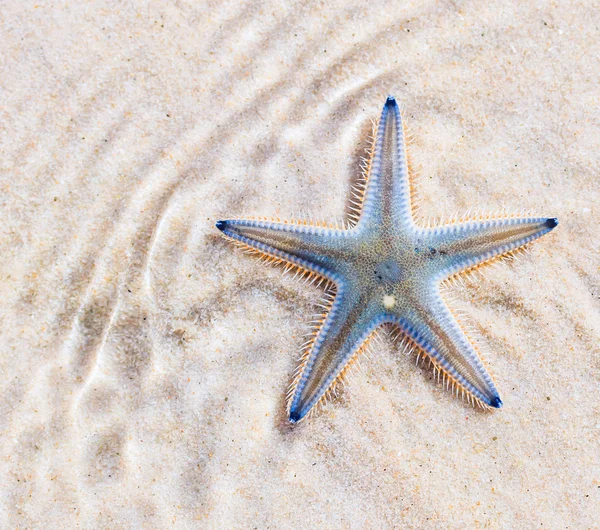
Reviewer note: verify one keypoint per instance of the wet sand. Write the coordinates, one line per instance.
(145, 362)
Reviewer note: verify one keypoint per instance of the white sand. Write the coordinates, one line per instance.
(144, 362)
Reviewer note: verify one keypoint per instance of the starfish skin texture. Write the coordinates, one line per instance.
(384, 268)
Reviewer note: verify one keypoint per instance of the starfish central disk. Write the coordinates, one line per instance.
(382, 267)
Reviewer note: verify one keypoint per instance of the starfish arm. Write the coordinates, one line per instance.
(433, 328)
(307, 247)
(466, 245)
(387, 195)
(336, 345)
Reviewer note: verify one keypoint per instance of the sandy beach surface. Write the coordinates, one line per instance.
(145, 361)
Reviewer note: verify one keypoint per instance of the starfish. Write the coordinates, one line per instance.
(384, 268)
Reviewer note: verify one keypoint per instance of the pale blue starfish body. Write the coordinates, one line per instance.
(386, 269)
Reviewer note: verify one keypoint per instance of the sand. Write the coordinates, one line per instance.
(145, 362)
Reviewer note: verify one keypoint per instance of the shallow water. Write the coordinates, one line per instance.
(145, 363)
